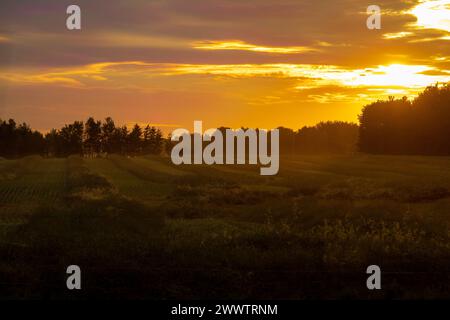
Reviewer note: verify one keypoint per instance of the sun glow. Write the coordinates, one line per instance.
(411, 76)
(433, 14)
(312, 76)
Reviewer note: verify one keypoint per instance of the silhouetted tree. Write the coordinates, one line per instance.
(19, 140)
(78, 138)
(92, 137)
(335, 137)
(404, 127)
(168, 144)
(107, 135)
(134, 140)
(120, 140)
(395, 126)
(153, 140)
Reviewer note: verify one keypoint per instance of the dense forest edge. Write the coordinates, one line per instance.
(395, 126)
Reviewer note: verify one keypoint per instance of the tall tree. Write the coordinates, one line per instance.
(152, 140)
(421, 126)
(71, 138)
(19, 140)
(120, 140)
(107, 135)
(92, 137)
(134, 139)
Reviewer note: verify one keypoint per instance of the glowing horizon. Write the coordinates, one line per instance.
(280, 63)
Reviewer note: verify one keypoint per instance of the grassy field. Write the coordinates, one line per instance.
(143, 228)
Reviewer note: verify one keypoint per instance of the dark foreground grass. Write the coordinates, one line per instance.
(308, 234)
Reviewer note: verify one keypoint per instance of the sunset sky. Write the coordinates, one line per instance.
(253, 63)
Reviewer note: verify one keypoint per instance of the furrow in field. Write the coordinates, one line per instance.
(32, 182)
(161, 165)
(129, 183)
(36, 180)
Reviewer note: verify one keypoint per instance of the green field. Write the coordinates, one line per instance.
(143, 228)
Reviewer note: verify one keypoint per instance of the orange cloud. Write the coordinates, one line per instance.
(397, 35)
(139, 73)
(65, 76)
(243, 46)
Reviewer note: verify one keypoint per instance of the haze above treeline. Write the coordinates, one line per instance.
(394, 126)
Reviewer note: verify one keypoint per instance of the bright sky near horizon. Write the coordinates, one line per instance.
(253, 63)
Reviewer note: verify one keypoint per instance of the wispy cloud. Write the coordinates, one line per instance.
(397, 35)
(66, 76)
(243, 46)
(4, 39)
(140, 72)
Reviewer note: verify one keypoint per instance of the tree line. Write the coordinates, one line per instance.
(395, 126)
(93, 138)
(331, 137)
(88, 138)
(402, 126)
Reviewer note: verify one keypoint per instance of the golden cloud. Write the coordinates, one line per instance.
(397, 35)
(238, 45)
(138, 74)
